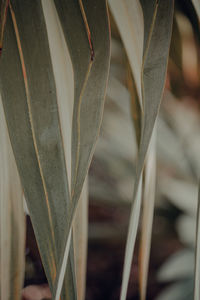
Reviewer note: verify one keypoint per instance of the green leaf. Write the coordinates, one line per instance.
(149, 13)
(12, 221)
(90, 54)
(197, 254)
(156, 50)
(32, 113)
(63, 73)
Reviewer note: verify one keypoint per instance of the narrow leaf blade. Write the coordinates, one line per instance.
(12, 220)
(154, 71)
(30, 103)
(90, 54)
(147, 214)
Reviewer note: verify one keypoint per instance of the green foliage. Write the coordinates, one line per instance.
(54, 70)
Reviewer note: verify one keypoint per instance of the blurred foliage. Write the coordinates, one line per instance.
(178, 147)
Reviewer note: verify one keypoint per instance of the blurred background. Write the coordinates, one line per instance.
(111, 177)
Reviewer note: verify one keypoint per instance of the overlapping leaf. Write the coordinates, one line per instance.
(90, 56)
(30, 104)
(158, 18)
(12, 222)
(147, 214)
(135, 105)
(80, 230)
(89, 47)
